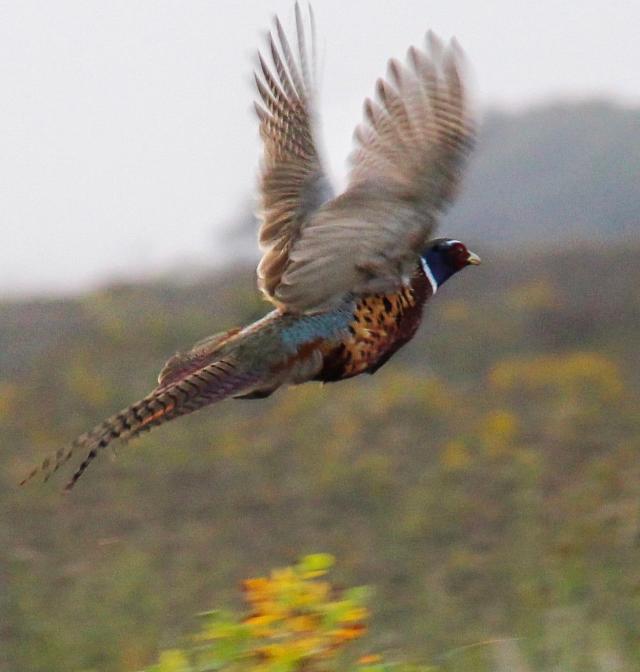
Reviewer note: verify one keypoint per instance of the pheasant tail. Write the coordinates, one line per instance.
(193, 391)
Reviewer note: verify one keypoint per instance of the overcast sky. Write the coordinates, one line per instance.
(128, 139)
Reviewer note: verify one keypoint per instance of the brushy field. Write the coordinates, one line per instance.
(485, 482)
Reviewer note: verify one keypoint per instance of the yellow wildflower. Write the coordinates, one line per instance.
(455, 455)
(369, 659)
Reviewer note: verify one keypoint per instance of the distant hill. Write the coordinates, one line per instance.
(562, 172)
(566, 172)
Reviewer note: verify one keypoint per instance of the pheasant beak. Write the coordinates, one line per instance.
(473, 259)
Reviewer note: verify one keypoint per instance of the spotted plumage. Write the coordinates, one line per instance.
(381, 324)
(348, 274)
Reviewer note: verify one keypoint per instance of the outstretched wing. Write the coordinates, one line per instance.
(410, 152)
(293, 182)
(415, 139)
(186, 392)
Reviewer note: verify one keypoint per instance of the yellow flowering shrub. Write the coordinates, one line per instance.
(537, 294)
(296, 620)
(455, 455)
(498, 431)
(567, 374)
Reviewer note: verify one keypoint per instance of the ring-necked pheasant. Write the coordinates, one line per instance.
(349, 275)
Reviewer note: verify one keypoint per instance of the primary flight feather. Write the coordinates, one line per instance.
(348, 274)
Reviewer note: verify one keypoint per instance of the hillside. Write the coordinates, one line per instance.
(565, 172)
(557, 174)
(486, 481)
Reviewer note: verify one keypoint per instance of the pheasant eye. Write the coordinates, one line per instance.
(458, 248)
(458, 255)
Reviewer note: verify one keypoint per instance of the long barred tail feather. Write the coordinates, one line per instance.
(207, 385)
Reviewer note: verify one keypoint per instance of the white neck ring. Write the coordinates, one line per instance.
(429, 274)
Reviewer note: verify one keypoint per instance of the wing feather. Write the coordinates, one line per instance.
(293, 182)
(410, 151)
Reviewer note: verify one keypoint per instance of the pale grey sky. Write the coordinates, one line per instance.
(127, 133)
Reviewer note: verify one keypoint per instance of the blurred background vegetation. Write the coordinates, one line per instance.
(295, 619)
(486, 482)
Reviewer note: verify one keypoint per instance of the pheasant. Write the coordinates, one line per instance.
(348, 274)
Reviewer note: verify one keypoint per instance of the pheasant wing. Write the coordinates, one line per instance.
(410, 152)
(293, 182)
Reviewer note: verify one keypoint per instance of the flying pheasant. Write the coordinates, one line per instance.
(348, 274)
